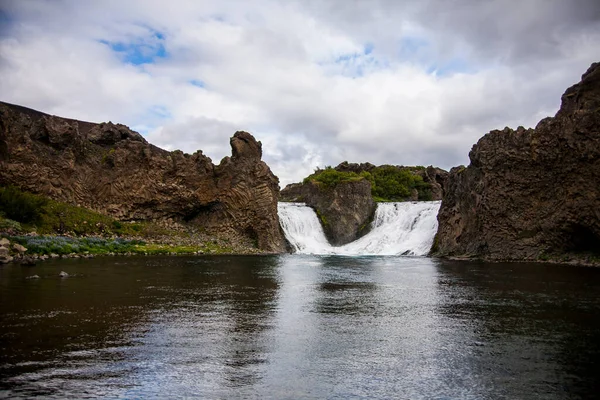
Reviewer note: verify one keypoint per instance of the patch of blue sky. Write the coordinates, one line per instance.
(360, 63)
(6, 22)
(197, 83)
(451, 67)
(150, 118)
(160, 111)
(142, 51)
(411, 47)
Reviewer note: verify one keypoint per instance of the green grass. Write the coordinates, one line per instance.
(26, 212)
(388, 183)
(63, 245)
(330, 177)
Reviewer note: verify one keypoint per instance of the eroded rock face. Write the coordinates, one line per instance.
(530, 193)
(344, 210)
(111, 169)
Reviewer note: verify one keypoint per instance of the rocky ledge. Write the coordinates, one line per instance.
(531, 194)
(111, 169)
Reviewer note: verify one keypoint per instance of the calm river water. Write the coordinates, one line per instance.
(299, 327)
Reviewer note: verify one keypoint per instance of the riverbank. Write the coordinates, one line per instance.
(35, 227)
(30, 249)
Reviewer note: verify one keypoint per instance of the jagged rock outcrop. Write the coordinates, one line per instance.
(344, 210)
(111, 169)
(530, 194)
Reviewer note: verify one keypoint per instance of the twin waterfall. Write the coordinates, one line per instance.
(404, 228)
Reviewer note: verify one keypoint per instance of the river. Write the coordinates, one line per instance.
(298, 326)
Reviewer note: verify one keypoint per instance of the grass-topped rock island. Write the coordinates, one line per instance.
(345, 197)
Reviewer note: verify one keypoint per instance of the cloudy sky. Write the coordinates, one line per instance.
(318, 82)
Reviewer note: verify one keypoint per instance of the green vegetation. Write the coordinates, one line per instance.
(61, 217)
(63, 245)
(64, 229)
(330, 177)
(20, 206)
(22, 211)
(322, 218)
(8, 225)
(388, 183)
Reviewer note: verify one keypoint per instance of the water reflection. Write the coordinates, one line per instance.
(534, 320)
(298, 327)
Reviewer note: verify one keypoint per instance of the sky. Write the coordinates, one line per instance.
(317, 82)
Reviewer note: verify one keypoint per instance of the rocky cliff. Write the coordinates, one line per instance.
(531, 194)
(111, 169)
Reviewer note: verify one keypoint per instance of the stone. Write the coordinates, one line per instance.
(19, 248)
(63, 274)
(33, 277)
(27, 261)
(111, 169)
(4, 242)
(530, 194)
(54, 255)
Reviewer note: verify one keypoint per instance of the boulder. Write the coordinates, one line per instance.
(19, 248)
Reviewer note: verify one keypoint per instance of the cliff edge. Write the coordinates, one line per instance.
(111, 169)
(530, 194)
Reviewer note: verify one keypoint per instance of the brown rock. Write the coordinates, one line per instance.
(19, 248)
(113, 170)
(530, 193)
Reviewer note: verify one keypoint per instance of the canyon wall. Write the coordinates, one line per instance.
(113, 170)
(530, 194)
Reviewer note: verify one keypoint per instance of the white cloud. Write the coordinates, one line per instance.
(317, 82)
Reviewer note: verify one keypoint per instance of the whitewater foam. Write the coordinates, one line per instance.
(405, 228)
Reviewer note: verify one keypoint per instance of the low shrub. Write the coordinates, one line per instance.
(21, 206)
(330, 177)
(388, 183)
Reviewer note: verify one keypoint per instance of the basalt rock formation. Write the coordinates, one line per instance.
(111, 169)
(530, 194)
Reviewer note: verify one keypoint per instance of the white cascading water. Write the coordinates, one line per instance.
(405, 228)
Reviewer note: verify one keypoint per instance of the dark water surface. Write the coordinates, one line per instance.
(299, 327)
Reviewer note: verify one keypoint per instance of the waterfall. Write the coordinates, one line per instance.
(302, 228)
(405, 228)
